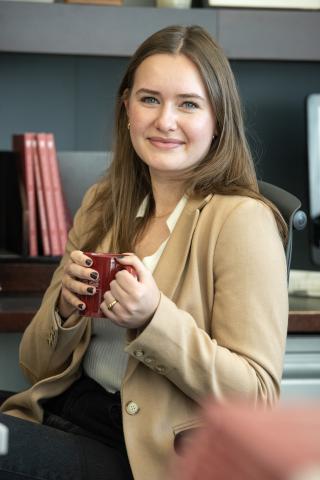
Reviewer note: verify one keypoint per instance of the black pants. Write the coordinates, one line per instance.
(81, 439)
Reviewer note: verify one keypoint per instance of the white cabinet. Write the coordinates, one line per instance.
(301, 376)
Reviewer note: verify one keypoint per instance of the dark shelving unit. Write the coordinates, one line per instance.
(58, 28)
(108, 31)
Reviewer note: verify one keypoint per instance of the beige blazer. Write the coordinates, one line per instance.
(219, 330)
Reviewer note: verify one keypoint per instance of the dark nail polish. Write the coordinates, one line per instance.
(94, 275)
(81, 306)
(120, 256)
(88, 262)
(90, 290)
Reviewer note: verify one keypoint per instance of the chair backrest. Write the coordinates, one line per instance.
(289, 207)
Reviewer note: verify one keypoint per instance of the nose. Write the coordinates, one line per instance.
(166, 119)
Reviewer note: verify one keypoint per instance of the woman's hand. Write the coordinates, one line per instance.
(137, 299)
(76, 270)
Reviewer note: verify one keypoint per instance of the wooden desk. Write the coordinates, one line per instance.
(23, 284)
(304, 315)
(16, 312)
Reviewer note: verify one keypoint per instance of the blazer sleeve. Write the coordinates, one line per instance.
(46, 348)
(242, 355)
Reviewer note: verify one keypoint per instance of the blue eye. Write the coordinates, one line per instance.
(190, 105)
(150, 100)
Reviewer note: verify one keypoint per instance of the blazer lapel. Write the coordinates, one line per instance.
(172, 262)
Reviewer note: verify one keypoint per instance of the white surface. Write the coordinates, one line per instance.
(313, 123)
(304, 283)
(3, 439)
(266, 3)
(301, 375)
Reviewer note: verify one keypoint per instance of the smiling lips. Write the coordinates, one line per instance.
(165, 143)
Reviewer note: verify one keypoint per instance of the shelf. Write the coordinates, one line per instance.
(304, 322)
(17, 277)
(17, 311)
(59, 28)
(304, 314)
(270, 34)
(87, 30)
(22, 285)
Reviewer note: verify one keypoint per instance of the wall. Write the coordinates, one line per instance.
(71, 96)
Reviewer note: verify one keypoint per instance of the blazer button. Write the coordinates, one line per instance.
(160, 368)
(149, 360)
(138, 353)
(132, 408)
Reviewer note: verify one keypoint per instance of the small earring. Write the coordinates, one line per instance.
(128, 125)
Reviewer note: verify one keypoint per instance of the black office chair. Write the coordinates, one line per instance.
(289, 207)
(4, 394)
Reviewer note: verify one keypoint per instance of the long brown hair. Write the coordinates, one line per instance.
(227, 168)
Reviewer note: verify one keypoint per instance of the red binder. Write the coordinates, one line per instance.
(48, 190)
(22, 143)
(40, 194)
(58, 195)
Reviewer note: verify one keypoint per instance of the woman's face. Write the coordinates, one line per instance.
(171, 119)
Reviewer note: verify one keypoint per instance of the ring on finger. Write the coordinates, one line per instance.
(112, 304)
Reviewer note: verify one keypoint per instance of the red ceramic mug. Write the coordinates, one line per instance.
(107, 265)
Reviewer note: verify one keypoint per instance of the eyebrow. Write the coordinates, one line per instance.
(180, 95)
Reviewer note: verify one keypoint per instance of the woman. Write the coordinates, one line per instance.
(208, 312)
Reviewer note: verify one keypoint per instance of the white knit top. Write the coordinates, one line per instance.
(105, 360)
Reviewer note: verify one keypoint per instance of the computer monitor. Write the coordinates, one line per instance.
(313, 139)
(3, 439)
